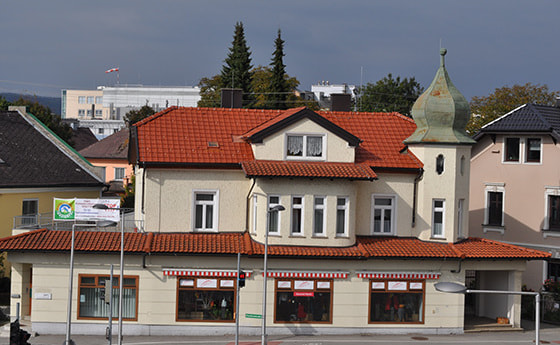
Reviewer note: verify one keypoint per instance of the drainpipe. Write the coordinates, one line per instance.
(247, 201)
(414, 195)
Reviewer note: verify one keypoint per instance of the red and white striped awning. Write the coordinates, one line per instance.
(202, 273)
(399, 275)
(312, 274)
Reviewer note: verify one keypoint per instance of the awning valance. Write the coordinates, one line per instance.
(307, 274)
(202, 272)
(399, 275)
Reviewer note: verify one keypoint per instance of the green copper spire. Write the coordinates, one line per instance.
(441, 112)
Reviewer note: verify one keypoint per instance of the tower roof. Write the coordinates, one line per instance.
(441, 112)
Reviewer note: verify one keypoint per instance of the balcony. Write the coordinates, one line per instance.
(45, 220)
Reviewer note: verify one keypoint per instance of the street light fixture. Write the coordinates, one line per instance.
(101, 224)
(459, 288)
(121, 212)
(273, 209)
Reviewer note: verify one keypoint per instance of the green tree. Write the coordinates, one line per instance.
(210, 96)
(279, 87)
(389, 94)
(134, 116)
(485, 109)
(236, 73)
(4, 104)
(48, 118)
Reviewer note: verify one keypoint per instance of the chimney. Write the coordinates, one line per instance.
(232, 98)
(341, 102)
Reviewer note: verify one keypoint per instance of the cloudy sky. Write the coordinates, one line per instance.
(52, 45)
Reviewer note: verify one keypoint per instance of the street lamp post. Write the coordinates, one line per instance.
(121, 267)
(459, 288)
(101, 224)
(276, 208)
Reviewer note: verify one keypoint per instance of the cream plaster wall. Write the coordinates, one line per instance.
(72, 104)
(110, 165)
(274, 146)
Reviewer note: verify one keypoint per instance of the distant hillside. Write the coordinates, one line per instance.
(52, 102)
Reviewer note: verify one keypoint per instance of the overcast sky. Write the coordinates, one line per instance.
(52, 45)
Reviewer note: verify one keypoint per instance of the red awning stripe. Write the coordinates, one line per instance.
(203, 273)
(399, 275)
(292, 274)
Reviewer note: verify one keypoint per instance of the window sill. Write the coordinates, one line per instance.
(275, 234)
(296, 235)
(493, 228)
(341, 236)
(206, 231)
(319, 236)
(383, 234)
(550, 233)
(438, 238)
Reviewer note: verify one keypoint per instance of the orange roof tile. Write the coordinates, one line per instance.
(308, 169)
(44, 240)
(215, 135)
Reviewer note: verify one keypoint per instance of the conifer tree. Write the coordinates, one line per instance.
(236, 73)
(279, 87)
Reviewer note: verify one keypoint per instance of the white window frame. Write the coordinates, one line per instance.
(498, 187)
(30, 218)
(460, 218)
(344, 208)
(123, 170)
(99, 99)
(526, 149)
(438, 209)
(549, 191)
(323, 208)
(505, 151)
(255, 212)
(304, 155)
(269, 214)
(392, 208)
(294, 208)
(81, 112)
(215, 209)
(81, 99)
(90, 99)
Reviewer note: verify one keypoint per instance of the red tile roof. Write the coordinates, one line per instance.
(308, 169)
(44, 240)
(215, 135)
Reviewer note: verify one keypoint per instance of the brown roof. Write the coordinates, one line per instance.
(114, 146)
(44, 240)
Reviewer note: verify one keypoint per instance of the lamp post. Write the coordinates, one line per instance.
(276, 208)
(459, 288)
(121, 267)
(101, 224)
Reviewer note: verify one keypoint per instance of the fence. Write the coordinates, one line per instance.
(45, 220)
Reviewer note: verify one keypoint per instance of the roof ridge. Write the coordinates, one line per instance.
(459, 253)
(156, 115)
(23, 234)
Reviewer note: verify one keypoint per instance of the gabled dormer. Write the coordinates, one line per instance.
(300, 134)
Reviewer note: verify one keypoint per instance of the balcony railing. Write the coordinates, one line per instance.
(45, 220)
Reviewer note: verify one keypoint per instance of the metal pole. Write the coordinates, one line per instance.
(110, 292)
(265, 274)
(237, 301)
(537, 318)
(69, 341)
(121, 279)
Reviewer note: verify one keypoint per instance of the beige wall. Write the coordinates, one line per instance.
(274, 146)
(73, 106)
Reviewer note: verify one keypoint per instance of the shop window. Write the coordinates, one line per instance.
(92, 306)
(511, 150)
(206, 299)
(302, 301)
(396, 301)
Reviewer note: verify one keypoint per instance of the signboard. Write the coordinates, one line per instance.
(82, 209)
(253, 316)
(303, 294)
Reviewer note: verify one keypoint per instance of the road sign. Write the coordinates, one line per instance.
(253, 316)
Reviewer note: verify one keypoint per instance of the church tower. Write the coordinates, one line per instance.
(441, 143)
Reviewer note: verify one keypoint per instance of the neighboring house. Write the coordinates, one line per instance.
(35, 166)
(515, 185)
(374, 217)
(111, 154)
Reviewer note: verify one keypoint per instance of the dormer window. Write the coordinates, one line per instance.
(304, 146)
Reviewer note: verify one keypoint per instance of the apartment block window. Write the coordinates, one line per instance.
(82, 99)
(533, 150)
(98, 113)
(206, 299)
(383, 214)
(81, 112)
(205, 210)
(341, 216)
(297, 215)
(98, 99)
(92, 306)
(554, 212)
(438, 215)
(29, 211)
(511, 150)
(90, 99)
(119, 174)
(495, 208)
(304, 146)
(273, 217)
(319, 215)
(89, 112)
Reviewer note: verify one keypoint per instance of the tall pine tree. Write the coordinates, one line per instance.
(236, 73)
(279, 87)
